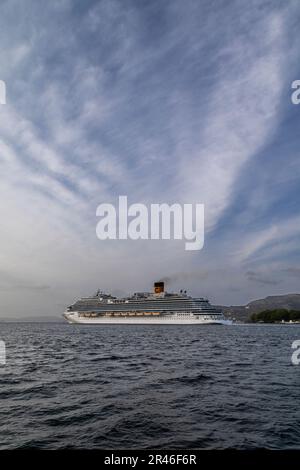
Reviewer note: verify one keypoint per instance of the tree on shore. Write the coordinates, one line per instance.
(274, 316)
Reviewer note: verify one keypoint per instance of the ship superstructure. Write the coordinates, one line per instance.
(158, 307)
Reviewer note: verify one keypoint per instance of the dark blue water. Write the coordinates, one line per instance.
(71, 386)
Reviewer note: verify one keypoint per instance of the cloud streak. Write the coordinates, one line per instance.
(164, 102)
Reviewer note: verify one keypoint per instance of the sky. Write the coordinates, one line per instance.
(176, 102)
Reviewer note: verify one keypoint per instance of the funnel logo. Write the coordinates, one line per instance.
(2, 353)
(2, 92)
(158, 221)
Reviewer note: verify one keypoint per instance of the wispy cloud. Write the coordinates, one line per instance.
(162, 101)
(293, 271)
(261, 279)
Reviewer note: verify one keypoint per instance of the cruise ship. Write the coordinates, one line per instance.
(158, 307)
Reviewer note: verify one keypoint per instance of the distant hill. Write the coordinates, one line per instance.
(243, 312)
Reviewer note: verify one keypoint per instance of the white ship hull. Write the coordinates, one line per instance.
(174, 319)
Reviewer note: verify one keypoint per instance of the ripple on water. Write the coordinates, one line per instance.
(112, 387)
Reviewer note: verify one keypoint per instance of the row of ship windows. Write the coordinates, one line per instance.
(181, 315)
(142, 302)
(178, 312)
(156, 302)
(148, 306)
(160, 299)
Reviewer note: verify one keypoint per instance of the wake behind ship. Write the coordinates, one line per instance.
(159, 307)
